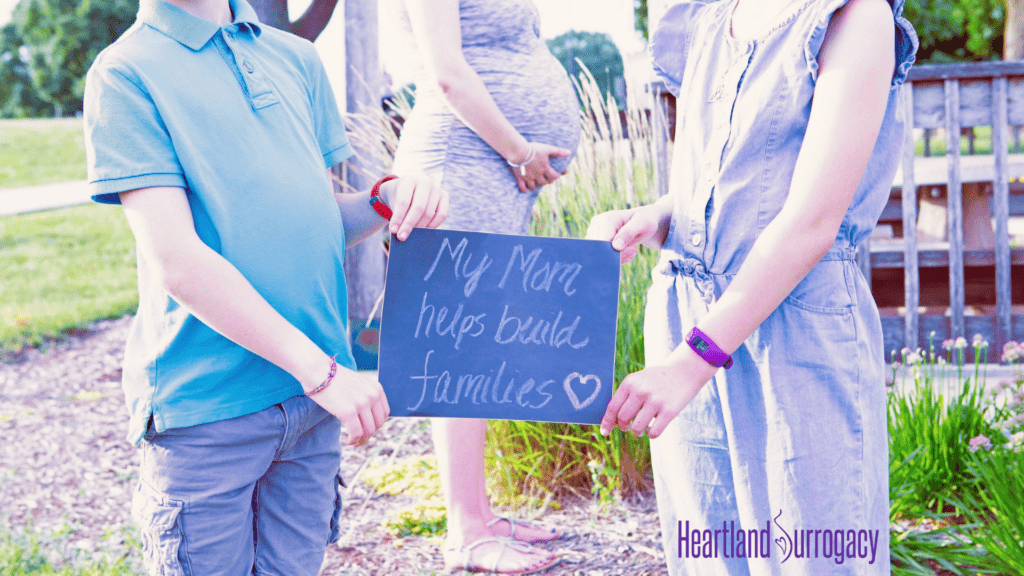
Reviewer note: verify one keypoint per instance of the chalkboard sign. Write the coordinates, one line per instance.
(498, 326)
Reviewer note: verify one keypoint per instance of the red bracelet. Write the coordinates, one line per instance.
(330, 377)
(376, 201)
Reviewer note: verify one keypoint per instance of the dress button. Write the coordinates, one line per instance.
(695, 239)
(248, 67)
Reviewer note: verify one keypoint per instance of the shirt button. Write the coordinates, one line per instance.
(248, 67)
(695, 239)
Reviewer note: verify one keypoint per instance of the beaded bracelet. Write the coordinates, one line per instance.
(330, 376)
(529, 158)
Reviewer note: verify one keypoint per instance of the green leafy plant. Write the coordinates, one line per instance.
(30, 553)
(995, 511)
(417, 477)
(602, 478)
(932, 418)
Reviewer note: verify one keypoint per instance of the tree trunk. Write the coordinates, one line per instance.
(1013, 35)
(272, 13)
(309, 25)
(364, 263)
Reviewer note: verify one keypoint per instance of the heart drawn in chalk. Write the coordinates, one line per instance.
(583, 380)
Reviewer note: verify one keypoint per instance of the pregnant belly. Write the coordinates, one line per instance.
(536, 97)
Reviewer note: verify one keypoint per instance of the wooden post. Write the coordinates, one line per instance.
(954, 197)
(1001, 209)
(908, 196)
(659, 137)
(364, 263)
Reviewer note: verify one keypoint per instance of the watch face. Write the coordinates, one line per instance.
(700, 344)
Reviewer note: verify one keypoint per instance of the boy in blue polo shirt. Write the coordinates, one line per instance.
(214, 132)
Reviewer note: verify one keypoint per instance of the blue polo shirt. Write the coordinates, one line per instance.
(243, 118)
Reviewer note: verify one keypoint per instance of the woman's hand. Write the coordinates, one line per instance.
(538, 171)
(627, 229)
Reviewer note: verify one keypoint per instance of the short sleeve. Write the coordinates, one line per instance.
(126, 142)
(906, 39)
(330, 130)
(670, 43)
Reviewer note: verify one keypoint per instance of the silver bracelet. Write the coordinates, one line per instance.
(529, 158)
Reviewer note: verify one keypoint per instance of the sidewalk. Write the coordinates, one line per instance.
(43, 197)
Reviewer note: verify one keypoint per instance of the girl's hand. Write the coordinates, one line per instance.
(651, 398)
(626, 229)
(539, 171)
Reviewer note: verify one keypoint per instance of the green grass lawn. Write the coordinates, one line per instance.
(41, 152)
(982, 142)
(62, 269)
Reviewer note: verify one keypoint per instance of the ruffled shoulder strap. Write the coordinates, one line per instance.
(670, 43)
(906, 38)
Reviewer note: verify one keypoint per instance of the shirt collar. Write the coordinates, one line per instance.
(193, 31)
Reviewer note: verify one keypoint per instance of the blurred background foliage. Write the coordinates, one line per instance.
(49, 45)
(599, 55)
(47, 48)
(949, 30)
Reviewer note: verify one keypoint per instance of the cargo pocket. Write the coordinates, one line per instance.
(336, 515)
(158, 520)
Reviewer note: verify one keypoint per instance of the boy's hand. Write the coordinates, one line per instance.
(626, 229)
(357, 400)
(415, 201)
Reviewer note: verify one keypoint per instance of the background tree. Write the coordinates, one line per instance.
(949, 30)
(598, 53)
(48, 47)
(309, 25)
(640, 17)
(1013, 36)
(18, 98)
(958, 30)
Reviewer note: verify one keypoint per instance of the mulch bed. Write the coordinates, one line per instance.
(65, 465)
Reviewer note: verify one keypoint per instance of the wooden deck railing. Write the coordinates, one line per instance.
(953, 97)
(948, 98)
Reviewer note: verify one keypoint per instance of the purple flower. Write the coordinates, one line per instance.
(978, 442)
(1012, 352)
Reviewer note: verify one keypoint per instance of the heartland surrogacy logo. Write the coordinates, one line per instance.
(837, 544)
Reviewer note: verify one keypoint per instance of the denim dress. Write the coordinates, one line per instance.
(787, 450)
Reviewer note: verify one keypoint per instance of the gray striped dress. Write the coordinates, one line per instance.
(501, 42)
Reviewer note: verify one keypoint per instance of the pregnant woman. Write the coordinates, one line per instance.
(495, 119)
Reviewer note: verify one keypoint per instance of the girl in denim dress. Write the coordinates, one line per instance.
(790, 129)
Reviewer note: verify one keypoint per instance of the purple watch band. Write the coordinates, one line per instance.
(707, 349)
